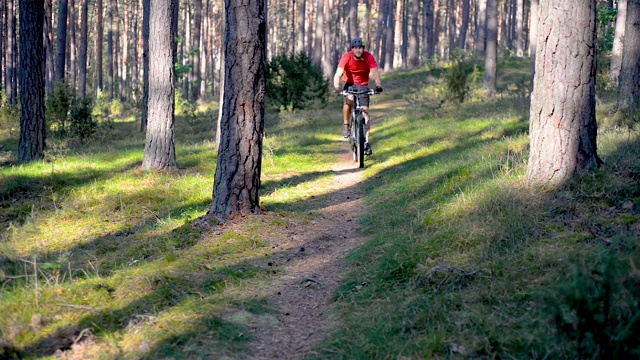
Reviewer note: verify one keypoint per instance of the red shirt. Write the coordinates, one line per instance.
(356, 71)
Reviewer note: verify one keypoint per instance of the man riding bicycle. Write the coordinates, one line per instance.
(354, 68)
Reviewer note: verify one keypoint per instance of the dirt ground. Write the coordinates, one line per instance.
(304, 293)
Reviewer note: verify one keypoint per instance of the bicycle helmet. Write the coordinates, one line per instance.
(357, 42)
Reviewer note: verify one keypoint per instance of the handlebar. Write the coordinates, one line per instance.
(358, 92)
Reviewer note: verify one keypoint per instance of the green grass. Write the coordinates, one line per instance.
(462, 259)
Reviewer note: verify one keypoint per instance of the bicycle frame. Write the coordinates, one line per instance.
(357, 125)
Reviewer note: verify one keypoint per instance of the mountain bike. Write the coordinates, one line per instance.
(356, 125)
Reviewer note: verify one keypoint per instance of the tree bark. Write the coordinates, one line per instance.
(520, 28)
(196, 41)
(98, 46)
(10, 87)
(317, 49)
(237, 179)
(562, 120)
(146, 6)
(159, 151)
(61, 41)
(300, 33)
(50, 71)
(481, 28)
(413, 56)
(353, 19)
(32, 81)
(82, 55)
(629, 89)
(618, 41)
(491, 58)
(464, 24)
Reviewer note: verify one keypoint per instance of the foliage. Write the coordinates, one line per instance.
(294, 81)
(455, 78)
(9, 116)
(82, 125)
(598, 308)
(58, 105)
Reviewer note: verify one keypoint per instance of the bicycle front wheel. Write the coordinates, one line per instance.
(360, 141)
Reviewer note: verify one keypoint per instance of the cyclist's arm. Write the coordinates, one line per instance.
(336, 78)
(376, 76)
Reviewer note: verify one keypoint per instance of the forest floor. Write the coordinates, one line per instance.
(312, 267)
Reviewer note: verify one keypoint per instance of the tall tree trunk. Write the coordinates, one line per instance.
(413, 56)
(629, 89)
(10, 87)
(146, 6)
(353, 19)
(111, 51)
(317, 49)
(73, 46)
(429, 43)
(196, 41)
(481, 28)
(562, 120)
(159, 150)
(327, 58)
(32, 81)
(390, 47)
(491, 59)
(237, 179)
(61, 41)
(99, 85)
(300, 33)
(464, 24)
(82, 53)
(618, 43)
(50, 71)
(124, 58)
(520, 28)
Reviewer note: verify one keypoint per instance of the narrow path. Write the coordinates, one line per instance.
(313, 268)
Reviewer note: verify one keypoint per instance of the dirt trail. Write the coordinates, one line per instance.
(313, 268)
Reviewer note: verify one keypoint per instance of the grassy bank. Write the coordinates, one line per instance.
(465, 261)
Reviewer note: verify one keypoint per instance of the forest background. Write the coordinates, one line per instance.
(435, 54)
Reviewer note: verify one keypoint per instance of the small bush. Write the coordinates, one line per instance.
(293, 81)
(82, 124)
(9, 116)
(58, 105)
(455, 79)
(598, 309)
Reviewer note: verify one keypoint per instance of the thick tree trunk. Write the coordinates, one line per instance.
(237, 179)
(327, 56)
(491, 59)
(562, 120)
(618, 41)
(629, 89)
(159, 151)
(82, 55)
(32, 81)
(61, 41)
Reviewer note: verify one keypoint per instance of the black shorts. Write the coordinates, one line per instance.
(364, 99)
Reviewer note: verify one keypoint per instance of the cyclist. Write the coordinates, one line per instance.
(354, 68)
